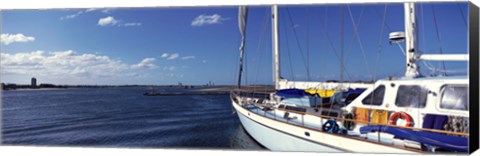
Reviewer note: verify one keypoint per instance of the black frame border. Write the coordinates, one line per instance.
(474, 79)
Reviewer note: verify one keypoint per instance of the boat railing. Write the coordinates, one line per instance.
(370, 123)
(321, 117)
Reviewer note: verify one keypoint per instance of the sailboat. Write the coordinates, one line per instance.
(411, 114)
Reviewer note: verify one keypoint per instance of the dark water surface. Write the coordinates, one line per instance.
(120, 117)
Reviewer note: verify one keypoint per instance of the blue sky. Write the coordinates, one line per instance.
(194, 45)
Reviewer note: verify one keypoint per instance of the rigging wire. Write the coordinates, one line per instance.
(234, 68)
(359, 41)
(342, 27)
(259, 56)
(298, 42)
(335, 51)
(323, 61)
(246, 68)
(307, 35)
(379, 51)
(424, 40)
(341, 47)
(427, 64)
(386, 23)
(401, 48)
(327, 38)
(461, 12)
(262, 38)
(288, 48)
(349, 50)
(423, 27)
(438, 37)
(432, 67)
(380, 45)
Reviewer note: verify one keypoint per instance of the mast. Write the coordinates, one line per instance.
(412, 52)
(276, 66)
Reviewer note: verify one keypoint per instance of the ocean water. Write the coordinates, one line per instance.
(121, 117)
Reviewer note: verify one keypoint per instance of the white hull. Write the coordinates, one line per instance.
(280, 136)
(279, 141)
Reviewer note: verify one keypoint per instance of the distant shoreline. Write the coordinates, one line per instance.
(13, 86)
(218, 90)
(31, 89)
(249, 88)
(202, 88)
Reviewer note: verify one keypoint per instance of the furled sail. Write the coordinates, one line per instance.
(242, 25)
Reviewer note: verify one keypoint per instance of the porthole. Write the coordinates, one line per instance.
(307, 134)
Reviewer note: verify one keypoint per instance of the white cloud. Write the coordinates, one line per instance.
(204, 61)
(72, 16)
(187, 57)
(164, 55)
(170, 68)
(174, 56)
(62, 64)
(170, 56)
(207, 20)
(22, 59)
(145, 63)
(12, 38)
(107, 21)
(112, 22)
(106, 11)
(132, 24)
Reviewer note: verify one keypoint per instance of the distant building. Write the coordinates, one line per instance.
(210, 83)
(34, 82)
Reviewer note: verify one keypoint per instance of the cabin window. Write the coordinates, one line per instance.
(376, 97)
(411, 96)
(454, 97)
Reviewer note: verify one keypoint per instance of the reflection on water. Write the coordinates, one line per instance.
(241, 140)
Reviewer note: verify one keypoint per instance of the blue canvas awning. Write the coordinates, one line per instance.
(450, 142)
(292, 93)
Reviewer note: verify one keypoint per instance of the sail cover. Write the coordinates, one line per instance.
(242, 25)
